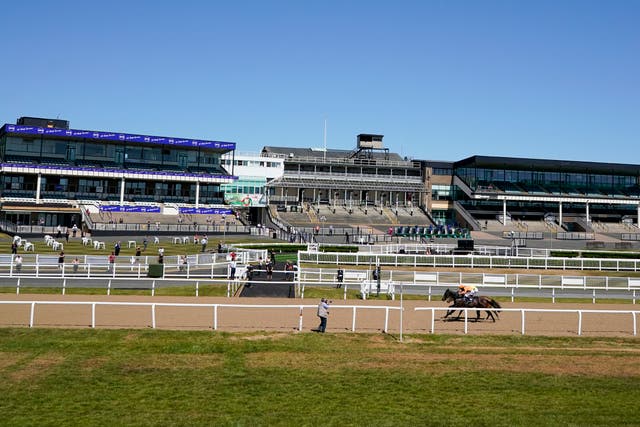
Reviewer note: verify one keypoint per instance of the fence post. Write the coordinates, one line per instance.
(353, 321)
(579, 322)
(153, 288)
(33, 309)
(197, 288)
(64, 286)
(215, 317)
(93, 315)
(386, 319)
(109, 287)
(466, 321)
(300, 321)
(18, 290)
(153, 316)
(433, 320)
(522, 319)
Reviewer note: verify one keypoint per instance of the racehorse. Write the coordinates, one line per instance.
(477, 302)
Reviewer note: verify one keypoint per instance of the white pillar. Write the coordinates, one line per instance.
(504, 212)
(560, 219)
(588, 219)
(39, 185)
(197, 194)
(122, 192)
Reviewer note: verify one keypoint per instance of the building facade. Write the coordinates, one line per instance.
(44, 162)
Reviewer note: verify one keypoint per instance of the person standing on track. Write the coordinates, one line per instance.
(323, 314)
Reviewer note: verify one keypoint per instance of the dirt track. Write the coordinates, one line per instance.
(275, 319)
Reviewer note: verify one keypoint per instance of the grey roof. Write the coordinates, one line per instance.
(547, 165)
(331, 153)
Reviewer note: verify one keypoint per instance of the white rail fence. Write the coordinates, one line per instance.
(468, 261)
(111, 284)
(427, 283)
(297, 309)
(580, 314)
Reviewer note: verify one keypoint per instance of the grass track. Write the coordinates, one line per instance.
(133, 377)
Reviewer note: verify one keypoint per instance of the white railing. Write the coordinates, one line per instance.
(523, 311)
(299, 310)
(468, 261)
(510, 285)
(108, 285)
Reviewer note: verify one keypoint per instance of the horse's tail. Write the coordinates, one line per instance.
(495, 304)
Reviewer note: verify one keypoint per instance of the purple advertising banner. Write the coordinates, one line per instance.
(205, 211)
(122, 137)
(136, 209)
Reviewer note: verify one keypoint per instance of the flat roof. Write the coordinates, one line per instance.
(547, 165)
(330, 153)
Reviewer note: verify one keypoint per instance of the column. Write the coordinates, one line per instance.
(197, 194)
(122, 192)
(588, 219)
(38, 187)
(504, 212)
(560, 218)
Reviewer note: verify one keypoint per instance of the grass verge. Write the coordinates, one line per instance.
(133, 377)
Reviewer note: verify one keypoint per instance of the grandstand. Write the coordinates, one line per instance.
(50, 172)
(53, 175)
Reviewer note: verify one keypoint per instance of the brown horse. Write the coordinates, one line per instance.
(479, 302)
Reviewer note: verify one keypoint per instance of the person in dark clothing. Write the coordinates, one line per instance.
(269, 270)
(340, 277)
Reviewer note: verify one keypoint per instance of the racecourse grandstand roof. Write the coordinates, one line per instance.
(546, 165)
(291, 153)
(81, 134)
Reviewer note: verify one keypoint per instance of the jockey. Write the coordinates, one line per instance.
(468, 292)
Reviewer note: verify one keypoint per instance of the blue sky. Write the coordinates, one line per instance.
(442, 80)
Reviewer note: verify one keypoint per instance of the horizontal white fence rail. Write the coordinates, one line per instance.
(114, 270)
(445, 248)
(144, 283)
(523, 311)
(298, 309)
(428, 282)
(468, 261)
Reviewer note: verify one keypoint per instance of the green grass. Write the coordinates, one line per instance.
(75, 247)
(145, 377)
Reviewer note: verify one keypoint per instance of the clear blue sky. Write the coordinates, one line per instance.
(442, 80)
